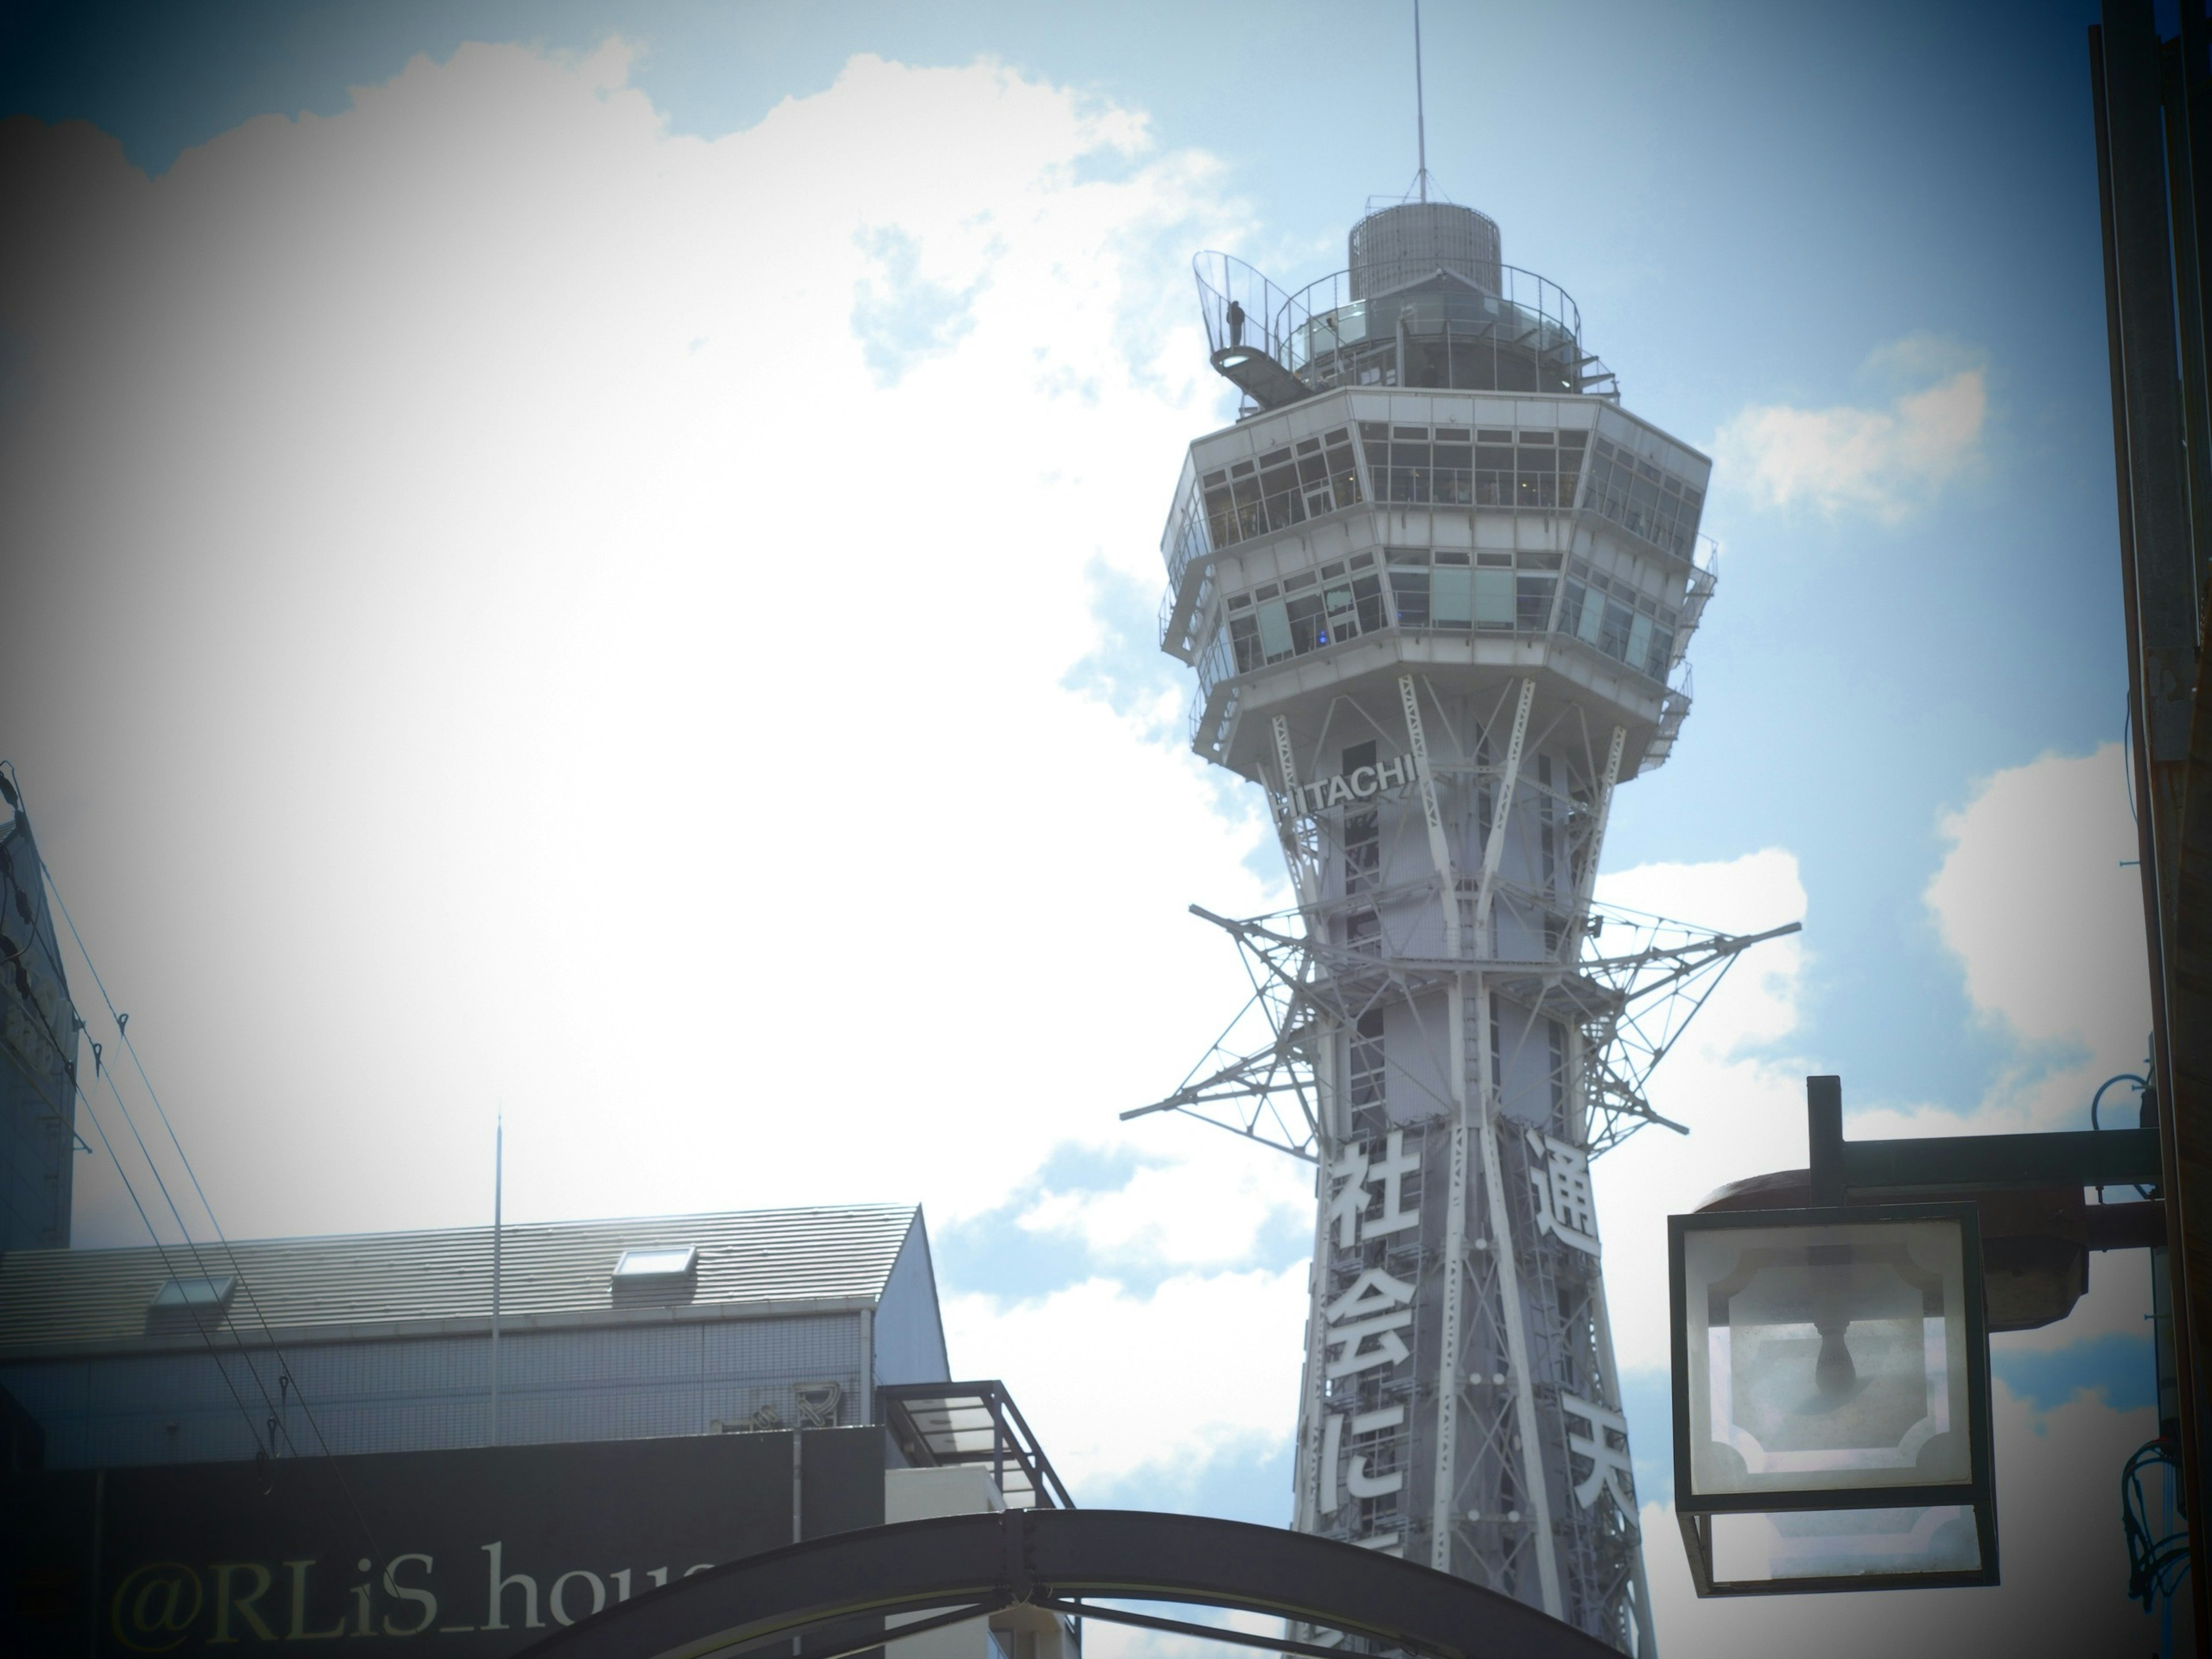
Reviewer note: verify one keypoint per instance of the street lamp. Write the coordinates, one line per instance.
(1831, 1346)
(1832, 1402)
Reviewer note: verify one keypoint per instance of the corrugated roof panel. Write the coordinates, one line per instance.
(91, 1299)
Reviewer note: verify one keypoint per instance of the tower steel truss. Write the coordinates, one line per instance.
(1494, 1292)
(1438, 586)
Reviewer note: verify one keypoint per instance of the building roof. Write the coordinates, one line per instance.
(356, 1285)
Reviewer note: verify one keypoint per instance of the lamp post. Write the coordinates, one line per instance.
(1831, 1346)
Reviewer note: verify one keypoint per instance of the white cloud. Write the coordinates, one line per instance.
(1209, 1208)
(537, 609)
(2038, 900)
(1886, 460)
(1125, 1389)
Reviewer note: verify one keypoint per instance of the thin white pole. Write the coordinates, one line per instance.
(498, 1181)
(1420, 108)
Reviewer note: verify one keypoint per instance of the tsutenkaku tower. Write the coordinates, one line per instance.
(1437, 584)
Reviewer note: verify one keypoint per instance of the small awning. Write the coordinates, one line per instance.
(972, 1425)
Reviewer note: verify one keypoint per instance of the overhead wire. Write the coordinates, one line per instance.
(289, 1383)
(289, 1387)
(46, 1027)
(168, 1265)
(131, 1122)
(230, 1381)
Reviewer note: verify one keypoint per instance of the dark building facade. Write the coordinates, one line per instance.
(38, 1049)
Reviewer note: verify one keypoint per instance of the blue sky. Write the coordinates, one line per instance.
(402, 412)
(1748, 201)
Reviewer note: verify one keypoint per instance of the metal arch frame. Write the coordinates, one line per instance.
(969, 1567)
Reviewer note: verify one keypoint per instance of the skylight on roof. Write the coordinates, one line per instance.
(639, 1264)
(195, 1293)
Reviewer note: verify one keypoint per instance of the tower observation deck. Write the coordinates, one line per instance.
(1438, 585)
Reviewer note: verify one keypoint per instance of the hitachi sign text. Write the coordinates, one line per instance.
(1361, 783)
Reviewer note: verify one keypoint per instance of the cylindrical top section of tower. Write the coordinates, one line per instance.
(1414, 241)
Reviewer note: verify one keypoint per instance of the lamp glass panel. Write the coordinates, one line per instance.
(1829, 1356)
(1755, 1548)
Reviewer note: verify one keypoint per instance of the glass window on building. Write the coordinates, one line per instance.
(1612, 631)
(1409, 464)
(1220, 507)
(1244, 638)
(1451, 593)
(1275, 630)
(1592, 618)
(1493, 467)
(1493, 599)
(1536, 471)
(1284, 486)
(1244, 489)
(1314, 485)
(1639, 642)
(1454, 466)
(1283, 503)
(1367, 602)
(1642, 498)
(1571, 448)
(1532, 603)
(1375, 444)
(1409, 594)
(1343, 472)
(1343, 608)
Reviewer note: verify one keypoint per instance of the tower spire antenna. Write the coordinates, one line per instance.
(1420, 112)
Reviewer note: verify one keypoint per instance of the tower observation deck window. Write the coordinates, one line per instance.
(1284, 486)
(1532, 603)
(1494, 596)
(1308, 624)
(1449, 591)
(1643, 499)
(1609, 614)
(1451, 466)
(1305, 612)
(1409, 588)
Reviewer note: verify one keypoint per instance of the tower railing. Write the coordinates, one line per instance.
(1324, 318)
(1323, 335)
(1225, 282)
